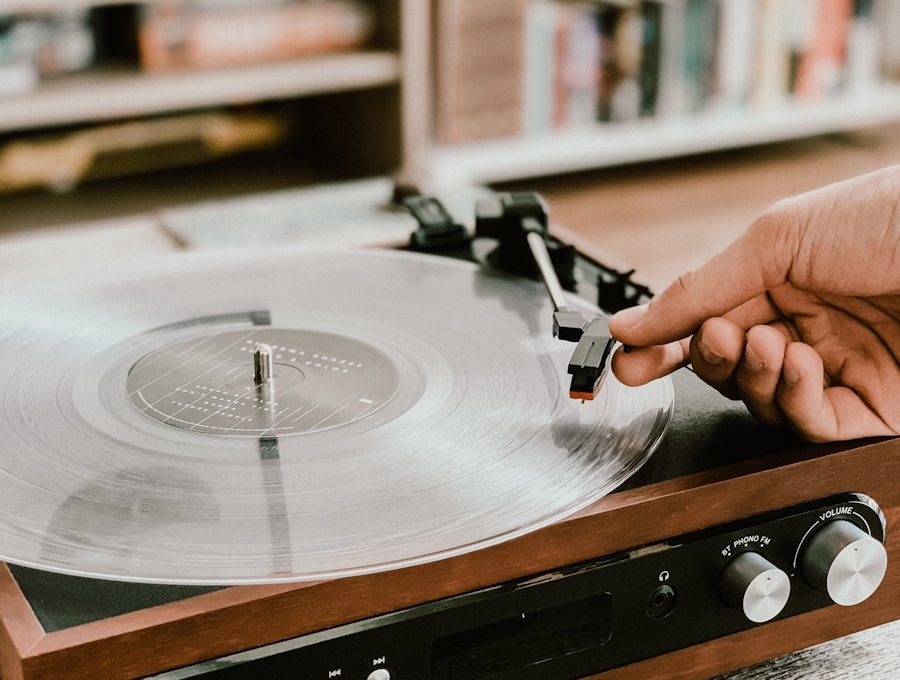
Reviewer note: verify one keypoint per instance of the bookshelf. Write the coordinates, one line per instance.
(528, 88)
(119, 93)
(344, 88)
(643, 140)
(384, 101)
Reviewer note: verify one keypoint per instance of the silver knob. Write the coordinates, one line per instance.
(845, 561)
(755, 586)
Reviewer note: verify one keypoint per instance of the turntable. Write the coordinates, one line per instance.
(368, 464)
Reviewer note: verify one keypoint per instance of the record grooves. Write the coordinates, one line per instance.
(141, 443)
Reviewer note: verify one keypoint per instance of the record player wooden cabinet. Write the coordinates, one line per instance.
(136, 631)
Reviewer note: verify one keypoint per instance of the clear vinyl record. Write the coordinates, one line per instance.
(416, 409)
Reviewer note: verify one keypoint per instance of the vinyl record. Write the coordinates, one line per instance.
(417, 409)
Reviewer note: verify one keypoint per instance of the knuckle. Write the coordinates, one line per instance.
(808, 428)
(776, 234)
(761, 333)
(685, 288)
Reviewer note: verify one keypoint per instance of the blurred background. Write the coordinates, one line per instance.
(656, 128)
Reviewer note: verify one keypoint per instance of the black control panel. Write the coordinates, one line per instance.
(597, 615)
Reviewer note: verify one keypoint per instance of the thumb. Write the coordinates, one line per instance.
(757, 261)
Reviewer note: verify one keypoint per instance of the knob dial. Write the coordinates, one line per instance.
(755, 586)
(845, 561)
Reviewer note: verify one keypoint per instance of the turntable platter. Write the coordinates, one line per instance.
(255, 418)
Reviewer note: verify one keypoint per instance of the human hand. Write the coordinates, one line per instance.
(799, 317)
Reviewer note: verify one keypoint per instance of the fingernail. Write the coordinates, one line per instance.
(630, 317)
(753, 360)
(709, 354)
(790, 373)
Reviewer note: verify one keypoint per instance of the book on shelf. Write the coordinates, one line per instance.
(697, 54)
(648, 29)
(564, 64)
(734, 49)
(820, 67)
(576, 68)
(36, 46)
(771, 63)
(539, 65)
(861, 61)
(174, 35)
(887, 16)
(479, 60)
(61, 160)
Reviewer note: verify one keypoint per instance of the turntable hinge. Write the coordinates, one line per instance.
(437, 229)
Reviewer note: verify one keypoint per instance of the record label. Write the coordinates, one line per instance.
(206, 382)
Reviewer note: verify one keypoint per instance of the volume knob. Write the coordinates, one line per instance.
(845, 561)
(755, 586)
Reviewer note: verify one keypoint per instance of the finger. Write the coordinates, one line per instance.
(756, 311)
(819, 413)
(760, 260)
(639, 366)
(715, 352)
(759, 371)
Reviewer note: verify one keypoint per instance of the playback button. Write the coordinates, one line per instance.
(379, 674)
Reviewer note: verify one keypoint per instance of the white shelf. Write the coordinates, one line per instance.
(96, 96)
(617, 144)
(39, 6)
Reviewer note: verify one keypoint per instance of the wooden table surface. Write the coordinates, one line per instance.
(668, 217)
(658, 218)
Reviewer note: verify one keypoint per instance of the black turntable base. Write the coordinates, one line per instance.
(252, 472)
